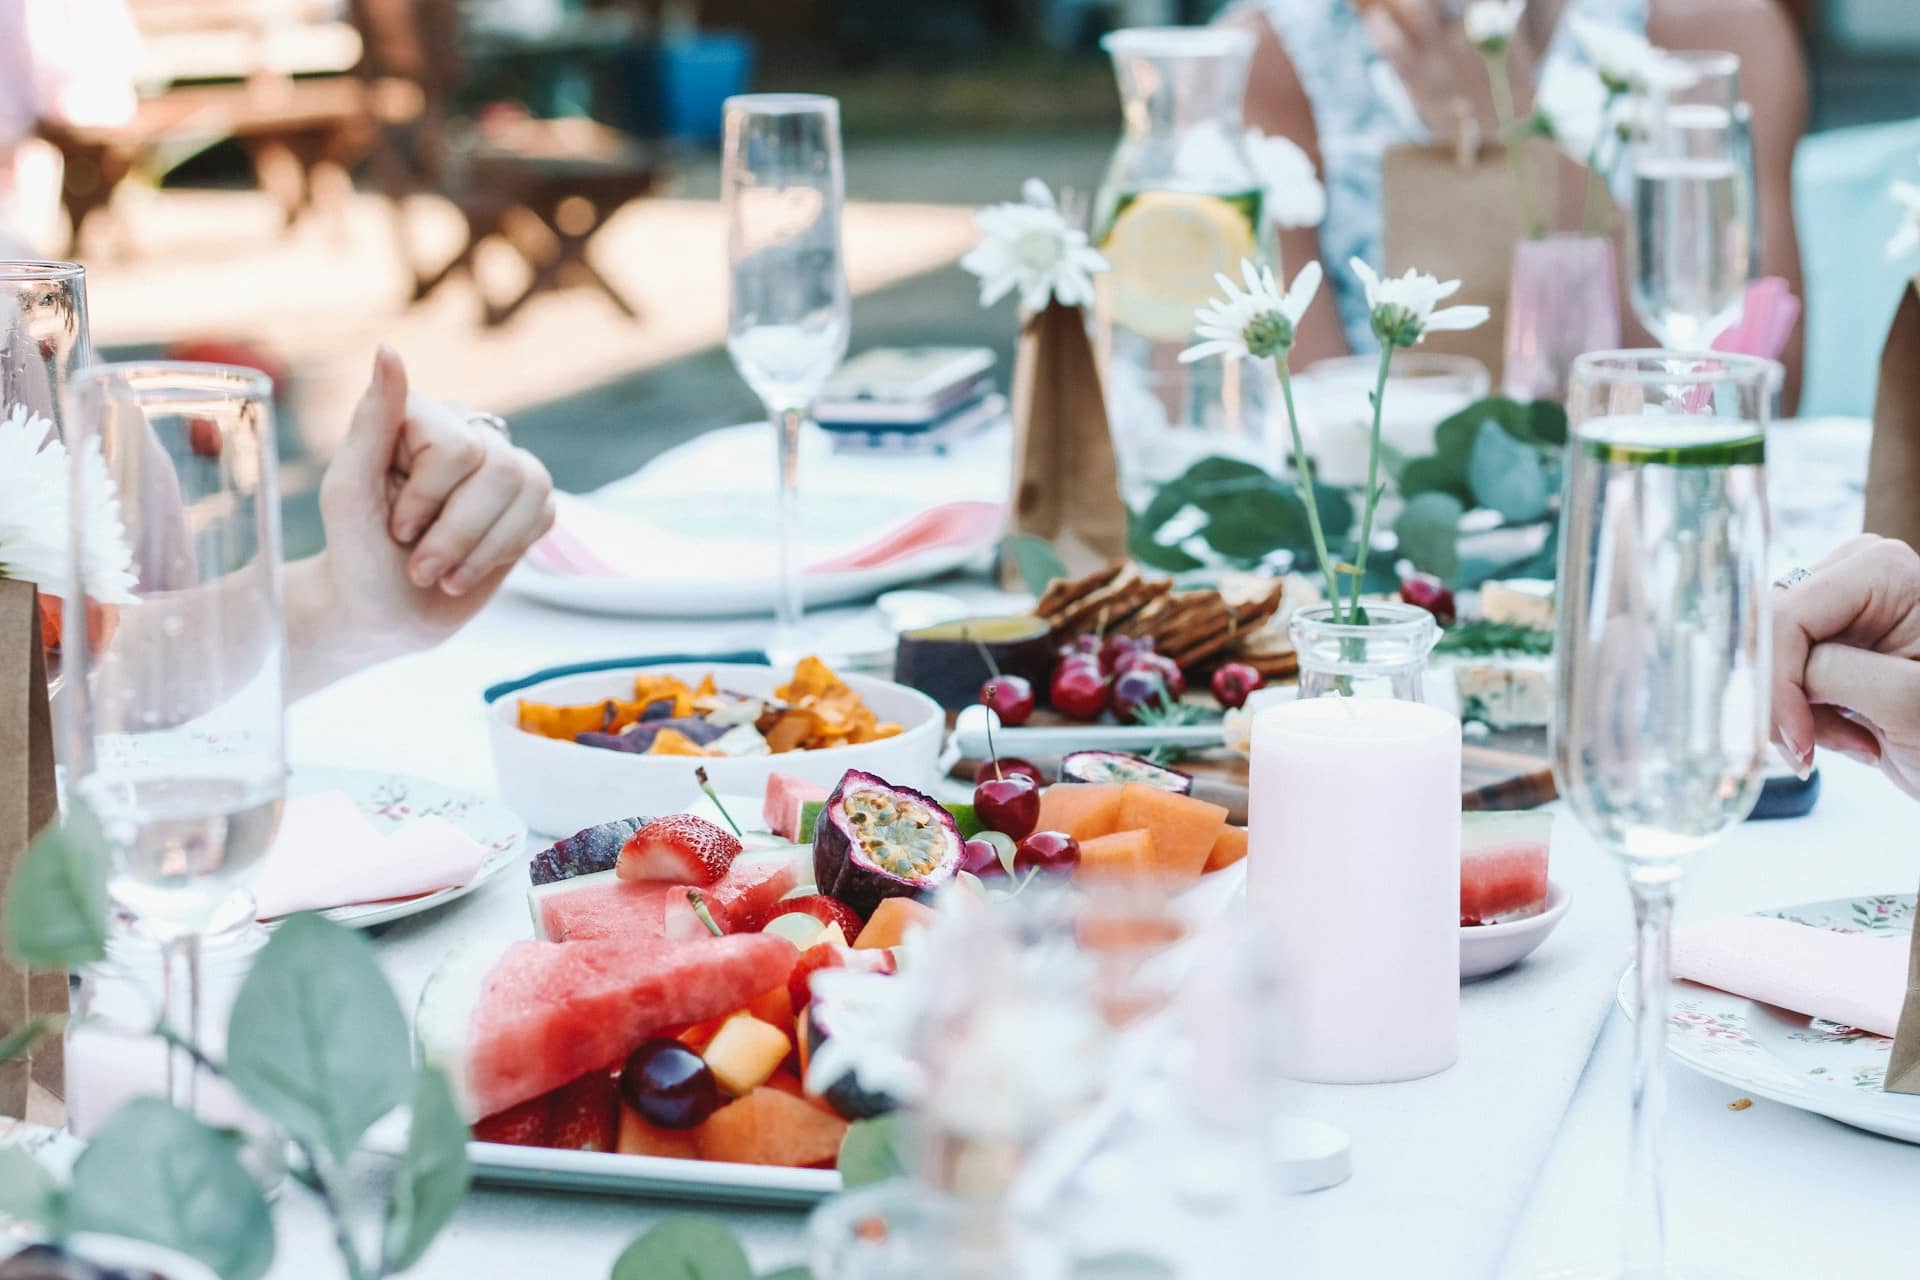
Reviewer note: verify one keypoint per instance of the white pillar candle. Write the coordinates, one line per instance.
(1353, 876)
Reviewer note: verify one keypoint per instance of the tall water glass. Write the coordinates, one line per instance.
(789, 314)
(1690, 247)
(174, 731)
(1715, 86)
(1659, 733)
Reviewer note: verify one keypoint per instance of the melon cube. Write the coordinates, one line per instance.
(769, 1126)
(1122, 854)
(1084, 810)
(1228, 848)
(890, 921)
(1503, 866)
(641, 1137)
(1182, 827)
(745, 1052)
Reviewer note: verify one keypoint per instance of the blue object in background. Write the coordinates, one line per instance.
(1845, 218)
(697, 73)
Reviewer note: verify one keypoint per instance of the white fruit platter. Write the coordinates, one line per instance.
(1768, 1052)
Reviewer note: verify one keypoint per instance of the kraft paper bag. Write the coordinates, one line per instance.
(1893, 464)
(1453, 216)
(27, 803)
(1066, 483)
(1903, 1068)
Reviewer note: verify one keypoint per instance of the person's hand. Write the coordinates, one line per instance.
(1846, 659)
(425, 512)
(1426, 43)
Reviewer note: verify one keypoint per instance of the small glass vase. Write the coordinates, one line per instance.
(1384, 657)
(1562, 301)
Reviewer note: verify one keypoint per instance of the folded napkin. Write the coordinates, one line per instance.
(1766, 321)
(1855, 979)
(589, 540)
(330, 854)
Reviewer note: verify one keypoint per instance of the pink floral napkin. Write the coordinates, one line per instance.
(330, 854)
(1857, 979)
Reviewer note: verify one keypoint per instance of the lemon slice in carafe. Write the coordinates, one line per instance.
(1165, 247)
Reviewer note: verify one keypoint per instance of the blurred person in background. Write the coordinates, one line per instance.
(1347, 79)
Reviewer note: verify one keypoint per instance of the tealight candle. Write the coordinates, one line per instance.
(1353, 874)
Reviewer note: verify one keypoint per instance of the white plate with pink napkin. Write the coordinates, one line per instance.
(365, 847)
(1819, 993)
(693, 534)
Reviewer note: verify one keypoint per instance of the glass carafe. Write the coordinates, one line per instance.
(1181, 202)
(1384, 657)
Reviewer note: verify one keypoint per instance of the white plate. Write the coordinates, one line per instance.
(563, 787)
(707, 1181)
(1486, 949)
(1804, 1062)
(393, 799)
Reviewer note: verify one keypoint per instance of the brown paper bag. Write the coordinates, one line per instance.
(1893, 464)
(1066, 486)
(1903, 1068)
(1454, 217)
(27, 803)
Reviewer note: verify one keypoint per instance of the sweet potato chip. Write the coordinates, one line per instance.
(568, 722)
(672, 742)
(792, 731)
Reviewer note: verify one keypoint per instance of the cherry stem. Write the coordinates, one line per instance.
(986, 656)
(700, 776)
(993, 752)
(698, 901)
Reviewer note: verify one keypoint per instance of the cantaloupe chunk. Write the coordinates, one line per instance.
(1084, 810)
(1228, 847)
(771, 1127)
(698, 1036)
(1183, 828)
(744, 1052)
(789, 1083)
(1122, 854)
(773, 1007)
(890, 921)
(641, 1137)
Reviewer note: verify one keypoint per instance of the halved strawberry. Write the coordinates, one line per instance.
(521, 1126)
(681, 849)
(824, 908)
(585, 1115)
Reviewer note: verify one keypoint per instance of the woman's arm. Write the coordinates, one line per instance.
(1277, 103)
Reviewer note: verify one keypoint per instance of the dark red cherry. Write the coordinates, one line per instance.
(1051, 851)
(669, 1085)
(1009, 805)
(1009, 697)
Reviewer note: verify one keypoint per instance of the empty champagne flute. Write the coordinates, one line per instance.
(1659, 732)
(788, 317)
(173, 723)
(1690, 248)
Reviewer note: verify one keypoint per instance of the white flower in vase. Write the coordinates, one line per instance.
(1406, 308)
(1290, 189)
(1029, 246)
(1572, 103)
(1259, 321)
(1490, 24)
(1626, 61)
(35, 497)
(1907, 238)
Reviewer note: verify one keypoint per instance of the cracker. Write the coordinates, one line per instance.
(1062, 592)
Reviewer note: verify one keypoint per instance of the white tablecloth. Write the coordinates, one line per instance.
(1763, 1192)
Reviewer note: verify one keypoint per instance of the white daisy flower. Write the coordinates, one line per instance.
(1907, 238)
(1404, 306)
(1491, 24)
(1028, 246)
(1291, 190)
(1626, 61)
(35, 498)
(1256, 322)
(876, 1019)
(1571, 102)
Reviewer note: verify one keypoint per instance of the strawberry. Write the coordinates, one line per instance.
(584, 1115)
(824, 908)
(832, 955)
(681, 849)
(521, 1126)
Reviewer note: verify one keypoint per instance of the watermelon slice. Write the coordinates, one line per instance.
(602, 906)
(1503, 866)
(508, 1028)
(785, 795)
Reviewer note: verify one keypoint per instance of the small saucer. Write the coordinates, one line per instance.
(1488, 948)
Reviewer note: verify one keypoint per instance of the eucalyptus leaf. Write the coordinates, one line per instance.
(318, 1042)
(1508, 476)
(18, 1043)
(29, 1191)
(1217, 470)
(1036, 560)
(1141, 543)
(1254, 524)
(685, 1248)
(1428, 531)
(433, 1175)
(795, 1272)
(1438, 473)
(871, 1151)
(155, 1173)
(57, 907)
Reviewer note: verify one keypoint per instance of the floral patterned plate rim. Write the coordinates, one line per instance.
(391, 799)
(1818, 1066)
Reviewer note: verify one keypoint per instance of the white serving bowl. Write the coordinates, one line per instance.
(561, 787)
(1486, 949)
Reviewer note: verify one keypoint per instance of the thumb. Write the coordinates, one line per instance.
(367, 452)
(1877, 687)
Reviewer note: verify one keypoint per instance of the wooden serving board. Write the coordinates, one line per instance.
(1508, 770)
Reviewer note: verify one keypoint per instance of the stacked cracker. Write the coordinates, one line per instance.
(1196, 629)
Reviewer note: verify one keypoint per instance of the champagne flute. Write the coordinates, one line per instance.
(788, 315)
(1690, 249)
(1659, 733)
(174, 732)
